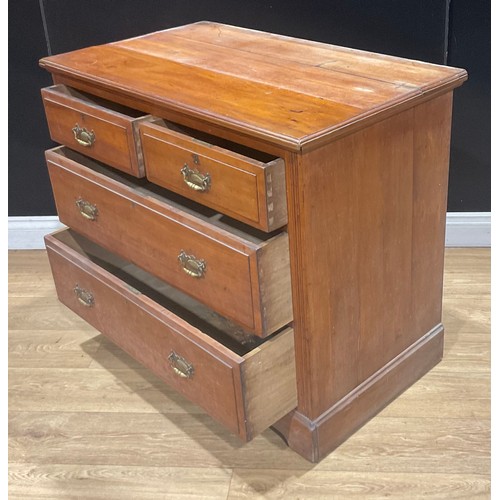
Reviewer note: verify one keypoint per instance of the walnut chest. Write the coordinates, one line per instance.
(257, 219)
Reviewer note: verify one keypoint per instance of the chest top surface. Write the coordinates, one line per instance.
(288, 91)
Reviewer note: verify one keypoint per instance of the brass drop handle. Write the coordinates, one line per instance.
(84, 296)
(191, 265)
(180, 365)
(83, 136)
(195, 179)
(87, 209)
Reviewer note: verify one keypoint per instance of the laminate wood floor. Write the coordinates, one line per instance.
(87, 422)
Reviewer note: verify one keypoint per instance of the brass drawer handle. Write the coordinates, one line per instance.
(180, 365)
(191, 265)
(87, 209)
(84, 296)
(195, 179)
(83, 136)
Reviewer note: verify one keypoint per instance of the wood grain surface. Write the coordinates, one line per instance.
(116, 136)
(240, 184)
(247, 393)
(247, 75)
(131, 213)
(375, 255)
(100, 426)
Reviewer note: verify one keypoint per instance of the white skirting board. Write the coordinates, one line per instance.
(463, 229)
(26, 233)
(468, 229)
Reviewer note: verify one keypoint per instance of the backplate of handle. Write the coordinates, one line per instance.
(87, 209)
(84, 296)
(191, 265)
(180, 365)
(83, 136)
(195, 179)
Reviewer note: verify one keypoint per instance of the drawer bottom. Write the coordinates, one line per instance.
(244, 382)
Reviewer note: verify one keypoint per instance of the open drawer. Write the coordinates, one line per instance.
(245, 383)
(238, 181)
(95, 127)
(242, 273)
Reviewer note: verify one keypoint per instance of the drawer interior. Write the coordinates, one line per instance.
(216, 141)
(190, 310)
(146, 188)
(96, 101)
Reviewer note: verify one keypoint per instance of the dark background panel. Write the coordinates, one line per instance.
(417, 29)
(29, 187)
(412, 29)
(470, 161)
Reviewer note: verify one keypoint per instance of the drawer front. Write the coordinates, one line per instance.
(104, 134)
(249, 190)
(245, 282)
(245, 393)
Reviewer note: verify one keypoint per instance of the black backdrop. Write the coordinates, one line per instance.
(454, 32)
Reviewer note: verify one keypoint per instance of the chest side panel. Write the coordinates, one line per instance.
(366, 225)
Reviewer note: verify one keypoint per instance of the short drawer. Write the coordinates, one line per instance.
(245, 383)
(240, 182)
(244, 275)
(97, 128)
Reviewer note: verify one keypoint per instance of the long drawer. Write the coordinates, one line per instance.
(246, 384)
(101, 129)
(243, 275)
(243, 183)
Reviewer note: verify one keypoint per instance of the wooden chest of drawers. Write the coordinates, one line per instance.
(257, 219)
